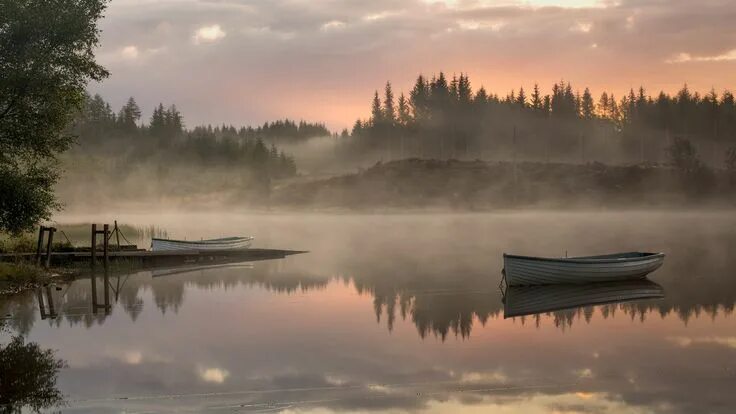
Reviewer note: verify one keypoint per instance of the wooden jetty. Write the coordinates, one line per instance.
(105, 253)
(156, 258)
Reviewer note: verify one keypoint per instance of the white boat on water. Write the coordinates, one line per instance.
(531, 300)
(227, 243)
(528, 270)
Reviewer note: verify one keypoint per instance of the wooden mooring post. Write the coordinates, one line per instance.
(41, 231)
(49, 244)
(106, 306)
(105, 232)
(93, 246)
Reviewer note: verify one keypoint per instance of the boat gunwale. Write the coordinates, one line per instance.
(225, 241)
(590, 260)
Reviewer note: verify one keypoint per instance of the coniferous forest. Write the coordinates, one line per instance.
(447, 118)
(566, 138)
(161, 157)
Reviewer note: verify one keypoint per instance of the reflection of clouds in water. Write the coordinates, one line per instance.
(484, 377)
(213, 375)
(685, 341)
(133, 357)
(584, 373)
(334, 380)
(573, 402)
(340, 354)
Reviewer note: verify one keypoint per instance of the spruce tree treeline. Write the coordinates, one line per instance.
(444, 118)
(101, 130)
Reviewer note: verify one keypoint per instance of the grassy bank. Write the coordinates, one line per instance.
(69, 236)
(22, 275)
(15, 277)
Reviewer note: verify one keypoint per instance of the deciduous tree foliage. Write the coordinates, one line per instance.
(28, 376)
(46, 60)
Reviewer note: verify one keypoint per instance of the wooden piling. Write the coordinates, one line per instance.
(41, 306)
(105, 243)
(52, 311)
(49, 244)
(106, 281)
(93, 281)
(41, 230)
(93, 246)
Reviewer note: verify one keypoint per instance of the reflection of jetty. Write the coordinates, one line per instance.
(161, 258)
(520, 301)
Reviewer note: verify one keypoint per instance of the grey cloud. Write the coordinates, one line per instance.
(275, 61)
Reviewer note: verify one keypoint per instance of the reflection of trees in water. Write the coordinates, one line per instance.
(434, 302)
(28, 377)
(74, 302)
(19, 312)
(440, 312)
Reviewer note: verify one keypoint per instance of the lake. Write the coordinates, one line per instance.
(397, 313)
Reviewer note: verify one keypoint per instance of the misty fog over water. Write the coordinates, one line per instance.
(399, 313)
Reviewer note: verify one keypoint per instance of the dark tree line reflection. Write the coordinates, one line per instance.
(28, 376)
(438, 305)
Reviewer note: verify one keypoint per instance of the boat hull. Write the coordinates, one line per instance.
(530, 300)
(230, 243)
(526, 270)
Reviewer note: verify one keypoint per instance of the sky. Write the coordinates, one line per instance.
(244, 62)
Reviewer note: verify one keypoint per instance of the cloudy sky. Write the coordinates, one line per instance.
(248, 61)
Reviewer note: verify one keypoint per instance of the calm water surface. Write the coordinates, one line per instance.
(398, 313)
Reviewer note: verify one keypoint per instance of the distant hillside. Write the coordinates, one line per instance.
(479, 185)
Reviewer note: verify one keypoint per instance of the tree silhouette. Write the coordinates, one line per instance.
(28, 376)
(447, 119)
(46, 60)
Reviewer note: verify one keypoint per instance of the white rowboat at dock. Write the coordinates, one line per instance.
(227, 243)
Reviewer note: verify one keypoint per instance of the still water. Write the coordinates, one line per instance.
(398, 313)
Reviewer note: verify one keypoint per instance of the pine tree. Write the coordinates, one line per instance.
(439, 92)
(481, 97)
(614, 114)
(404, 115)
(157, 126)
(464, 91)
(376, 111)
(454, 89)
(536, 98)
(419, 99)
(603, 105)
(587, 107)
(389, 111)
(521, 98)
(357, 129)
(129, 115)
(547, 105)
(176, 125)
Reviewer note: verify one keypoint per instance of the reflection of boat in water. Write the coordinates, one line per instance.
(188, 269)
(528, 270)
(227, 243)
(527, 300)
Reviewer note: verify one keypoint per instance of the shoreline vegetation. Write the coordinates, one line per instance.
(22, 274)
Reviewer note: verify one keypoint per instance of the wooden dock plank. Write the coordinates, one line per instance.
(145, 256)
